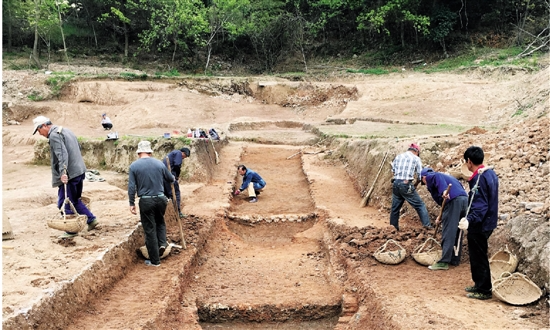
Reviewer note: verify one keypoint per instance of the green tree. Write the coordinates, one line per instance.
(174, 23)
(44, 19)
(224, 16)
(395, 12)
(13, 17)
(120, 14)
(265, 26)
(441, 24)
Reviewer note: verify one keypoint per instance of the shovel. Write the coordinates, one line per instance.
(176, 205)
(442, 206)
(365, 199)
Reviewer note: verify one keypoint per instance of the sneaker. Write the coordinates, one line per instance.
(149, 263)
(470, 288)
(68, 235)
(439, 266)
(430, 227)
(253, 200)
(182, 215)
(479, 295)
(93, 224)
(161, 250)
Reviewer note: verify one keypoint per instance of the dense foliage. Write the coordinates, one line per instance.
(188, 33)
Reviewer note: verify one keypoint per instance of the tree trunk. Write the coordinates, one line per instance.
(62, 34)
(175, 47)
(126, 41)
(521, 23)
(209, 52)
(402, 27)
(34, 55)
(10, 19)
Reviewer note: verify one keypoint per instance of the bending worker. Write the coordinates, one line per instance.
(455, 208)
(252, 182)
(175, 159)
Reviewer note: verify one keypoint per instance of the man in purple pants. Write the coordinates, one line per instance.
(68, 169)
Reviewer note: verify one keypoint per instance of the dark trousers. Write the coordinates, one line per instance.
(74, 192)
(151, 211)
(454, 210)
(479, 261)
(107, 126)
(407, 192)
(168, 192)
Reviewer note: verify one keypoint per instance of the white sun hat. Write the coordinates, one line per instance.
(144, 146)
(38, 121)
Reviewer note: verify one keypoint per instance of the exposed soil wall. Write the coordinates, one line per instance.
(57, 310)
(119, 154)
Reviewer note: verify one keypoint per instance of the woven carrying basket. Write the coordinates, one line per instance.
(72, 223)
(428, 252)
(391, 257)
(145, 253)
(516, 289)
(68, 222)
(501, 262)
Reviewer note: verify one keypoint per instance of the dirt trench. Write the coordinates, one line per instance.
(267, 265)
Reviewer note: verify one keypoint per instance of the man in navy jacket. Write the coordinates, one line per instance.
(252, 182)
(481, 221)
(455, 208)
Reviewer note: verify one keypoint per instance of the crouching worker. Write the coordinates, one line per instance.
(252, 183)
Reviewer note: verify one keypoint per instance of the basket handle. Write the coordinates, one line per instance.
(420, 248)
(67, 200)
(508, 250)
(383, 247)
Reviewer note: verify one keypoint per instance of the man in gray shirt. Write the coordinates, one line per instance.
(146, 179)
(68, 169)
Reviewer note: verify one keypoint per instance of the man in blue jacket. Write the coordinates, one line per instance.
(455, 208)
(252, 182)
(480, 222)
(175, 159)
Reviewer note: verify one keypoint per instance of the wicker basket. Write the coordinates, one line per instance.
(391, 257)
(427, 254)
(72, 223)
(501, 262)
(466, 174)
(516, 289)
(145, 252)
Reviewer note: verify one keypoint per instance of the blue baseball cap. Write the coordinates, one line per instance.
(426, 170)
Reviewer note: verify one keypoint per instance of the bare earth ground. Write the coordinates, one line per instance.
(233, 267)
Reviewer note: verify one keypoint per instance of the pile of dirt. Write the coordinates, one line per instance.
(519, 154)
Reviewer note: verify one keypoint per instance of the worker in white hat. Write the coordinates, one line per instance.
(68, 168)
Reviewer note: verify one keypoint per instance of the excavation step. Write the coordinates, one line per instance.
(217, 312)
(267, 272)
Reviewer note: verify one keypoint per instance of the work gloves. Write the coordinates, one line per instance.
(463, 224)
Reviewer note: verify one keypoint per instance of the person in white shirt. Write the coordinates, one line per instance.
(106, 122)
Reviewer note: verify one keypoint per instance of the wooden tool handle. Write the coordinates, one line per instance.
(442, 206)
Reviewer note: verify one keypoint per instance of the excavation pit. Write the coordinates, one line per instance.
(266, 273)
